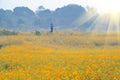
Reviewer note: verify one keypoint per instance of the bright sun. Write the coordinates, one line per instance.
(105, 6)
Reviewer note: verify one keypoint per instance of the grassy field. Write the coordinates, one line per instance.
(60, 56)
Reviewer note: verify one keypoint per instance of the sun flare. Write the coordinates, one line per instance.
(107, 6)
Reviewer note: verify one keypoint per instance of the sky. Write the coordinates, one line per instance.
(48, 4)
(101, 5)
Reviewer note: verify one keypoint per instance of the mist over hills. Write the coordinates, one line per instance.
(70, 17)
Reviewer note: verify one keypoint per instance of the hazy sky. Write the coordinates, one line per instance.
(101, 5)
(50, 4)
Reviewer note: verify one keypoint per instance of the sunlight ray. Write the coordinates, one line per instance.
(82, 20)
(107, 32)
(100, 24)
(113, 27)
(118, 30)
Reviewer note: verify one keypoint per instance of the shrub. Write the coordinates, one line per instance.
(37, 33)
(7, 32)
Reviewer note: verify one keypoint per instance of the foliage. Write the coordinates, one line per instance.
(37, 33)
(41, 19)
(7, 32)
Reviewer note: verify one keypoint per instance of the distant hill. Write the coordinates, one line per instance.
(70, 17)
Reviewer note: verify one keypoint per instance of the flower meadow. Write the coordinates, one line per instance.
(60, 56)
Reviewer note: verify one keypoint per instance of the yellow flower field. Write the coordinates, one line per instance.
(60, 56)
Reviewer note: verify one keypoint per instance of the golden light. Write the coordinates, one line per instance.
(107, 6)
